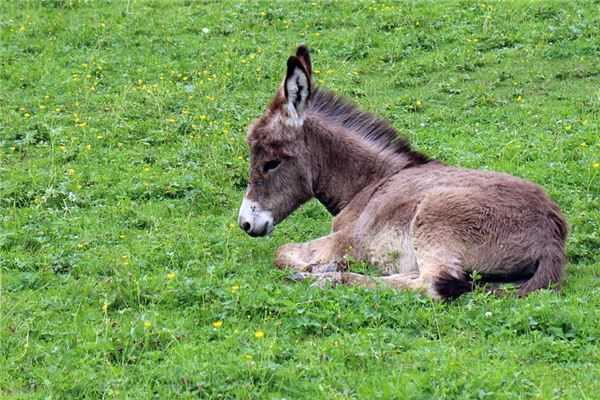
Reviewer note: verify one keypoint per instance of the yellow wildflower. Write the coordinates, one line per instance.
(596, 165)
(217, 324)
(147, 324)
(171, 275)
(235, 288)
(70, 172)
(259, 334)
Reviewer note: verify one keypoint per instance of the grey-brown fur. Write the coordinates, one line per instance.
(426, 225)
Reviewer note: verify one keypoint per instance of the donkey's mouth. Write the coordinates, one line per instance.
(267, 228)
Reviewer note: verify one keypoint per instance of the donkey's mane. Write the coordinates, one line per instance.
(364, 124)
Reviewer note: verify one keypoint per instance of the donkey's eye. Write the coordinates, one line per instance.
(271, 165)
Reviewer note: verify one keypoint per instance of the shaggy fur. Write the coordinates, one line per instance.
(377, 131)
(426, 225)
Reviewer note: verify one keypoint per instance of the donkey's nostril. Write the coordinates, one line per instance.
(246, 226)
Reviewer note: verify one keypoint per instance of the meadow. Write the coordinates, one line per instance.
(123, 163)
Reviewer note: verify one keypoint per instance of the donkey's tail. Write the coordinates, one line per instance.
(551, 260)
(548, 273)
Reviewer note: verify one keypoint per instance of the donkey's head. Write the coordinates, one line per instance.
(280, 177)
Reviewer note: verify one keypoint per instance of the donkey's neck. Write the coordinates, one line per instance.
(343, 164)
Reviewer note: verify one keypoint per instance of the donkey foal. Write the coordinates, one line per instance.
(426, 225)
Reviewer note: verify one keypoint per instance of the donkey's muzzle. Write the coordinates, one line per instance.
(254, 220)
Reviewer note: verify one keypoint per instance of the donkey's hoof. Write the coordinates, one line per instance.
(320, 280)
(326, 279)
(322, 268)
(298, 276)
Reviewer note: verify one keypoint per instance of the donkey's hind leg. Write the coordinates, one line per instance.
(319, 255)
(441, 274)
(438, 249)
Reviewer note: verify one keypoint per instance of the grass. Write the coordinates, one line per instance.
(123, 163)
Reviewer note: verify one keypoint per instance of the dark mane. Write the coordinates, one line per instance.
(369, 127)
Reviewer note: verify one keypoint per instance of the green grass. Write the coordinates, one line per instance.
(123, 163)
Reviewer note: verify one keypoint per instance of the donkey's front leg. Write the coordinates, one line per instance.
(401, 281)
(325, 252)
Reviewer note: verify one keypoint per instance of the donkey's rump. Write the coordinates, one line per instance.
(504, 228)
(494, 228)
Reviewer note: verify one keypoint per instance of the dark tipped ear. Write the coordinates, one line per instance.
(297, 88)
(304, 56)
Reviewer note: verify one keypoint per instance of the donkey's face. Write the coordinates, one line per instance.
(280, 173)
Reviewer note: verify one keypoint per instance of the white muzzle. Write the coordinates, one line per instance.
(254, 220)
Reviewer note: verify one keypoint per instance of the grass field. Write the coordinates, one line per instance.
(123, 163)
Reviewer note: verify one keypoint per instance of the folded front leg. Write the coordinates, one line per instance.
(303, 257)
(405, 281)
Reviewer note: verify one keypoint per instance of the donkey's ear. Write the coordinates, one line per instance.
(297, 89)
(304, 56)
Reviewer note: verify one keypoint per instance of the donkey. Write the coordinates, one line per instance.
(425, 225)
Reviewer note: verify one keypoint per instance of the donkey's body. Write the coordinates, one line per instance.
(426, 225)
